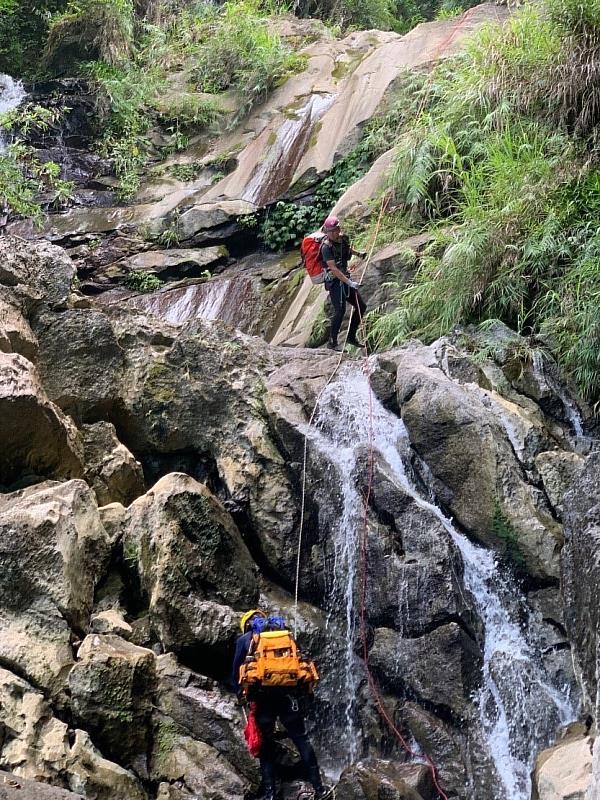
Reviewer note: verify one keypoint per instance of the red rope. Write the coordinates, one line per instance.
(364, 569)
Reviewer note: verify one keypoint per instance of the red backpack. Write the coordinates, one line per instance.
(310, 250)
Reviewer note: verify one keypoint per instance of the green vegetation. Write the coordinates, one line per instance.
(23, 31)
(99, 30)
(237, 50)
(141, 281)
(23, 177)
(505, 531)
(498, 163)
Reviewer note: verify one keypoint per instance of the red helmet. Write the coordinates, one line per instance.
(331, 223)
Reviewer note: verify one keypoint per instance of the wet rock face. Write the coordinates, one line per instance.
(580, 569)
(469, 438)
(172, 572)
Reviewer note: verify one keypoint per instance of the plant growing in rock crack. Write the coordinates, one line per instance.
(141, 281)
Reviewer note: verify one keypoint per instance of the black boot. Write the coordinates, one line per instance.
(323, 793)
(332, 345)
(269, 793)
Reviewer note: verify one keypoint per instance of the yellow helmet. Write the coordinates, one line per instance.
(248, 616)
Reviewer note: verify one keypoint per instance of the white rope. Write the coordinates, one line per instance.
(384, 203)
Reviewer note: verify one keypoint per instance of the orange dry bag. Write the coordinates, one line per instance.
(274, 660)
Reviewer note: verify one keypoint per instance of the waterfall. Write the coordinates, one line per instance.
(12, 94)
(519, 708)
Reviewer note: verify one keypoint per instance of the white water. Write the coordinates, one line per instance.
(285, 152)
(572, 413)
(12, 95)
(519, 708)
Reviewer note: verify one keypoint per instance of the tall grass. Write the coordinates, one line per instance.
(499, 163)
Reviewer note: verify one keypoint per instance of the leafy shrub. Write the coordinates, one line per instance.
(141, 281)
(239, 51)
(23, 30)
(89, 30)
(23, 177)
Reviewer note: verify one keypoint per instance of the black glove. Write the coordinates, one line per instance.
(363, 254)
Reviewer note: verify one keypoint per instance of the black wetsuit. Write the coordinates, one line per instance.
(272, 704)
(340, 293)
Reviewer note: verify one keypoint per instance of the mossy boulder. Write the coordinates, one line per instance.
(191, 562)
(111, 687)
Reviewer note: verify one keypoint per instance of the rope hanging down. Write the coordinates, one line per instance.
(374, 688)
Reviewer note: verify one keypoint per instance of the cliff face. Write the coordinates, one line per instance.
(153, 492)
(153, 452)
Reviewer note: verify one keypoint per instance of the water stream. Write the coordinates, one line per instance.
(12, 95)
(519, 709)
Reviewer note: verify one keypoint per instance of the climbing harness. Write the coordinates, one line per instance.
(374, 688)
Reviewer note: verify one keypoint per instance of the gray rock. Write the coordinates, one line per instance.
(442, 668)
(14, 788)
(559, 471)
(414, 567)
(191, 561)
(37, 440)
(111, 621)
(197, 705)
(468, 444)
(16, 335)
(111, 688)
(54, 552)
(581, 570)
(372, 780)
(40, 266)
(110, 469)
(36, 746)
(80, 361)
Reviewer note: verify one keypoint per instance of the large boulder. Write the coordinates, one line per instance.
(111, 687)
(46, 271)
(37, 440)
(192, 563)
(110, 468)
(372, 780)
(36, 746)
(186, 701)
(80, 361)
(197, 767)
(465, 435)
(54, 553)
(564, 772)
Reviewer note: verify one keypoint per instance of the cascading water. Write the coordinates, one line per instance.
(519, 708)
(12, 95)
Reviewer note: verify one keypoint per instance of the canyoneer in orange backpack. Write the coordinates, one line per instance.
(270, 672)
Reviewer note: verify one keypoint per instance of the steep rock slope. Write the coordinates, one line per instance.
(132, 612)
